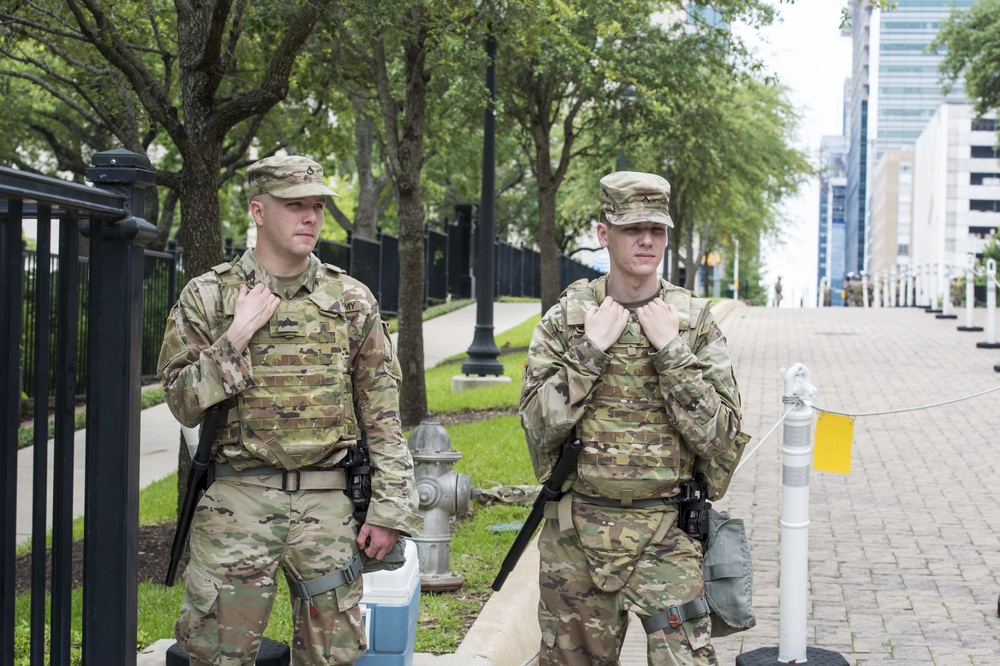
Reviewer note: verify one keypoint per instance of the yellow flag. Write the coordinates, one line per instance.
(834, 434)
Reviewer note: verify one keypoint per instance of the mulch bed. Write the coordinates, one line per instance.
(154, 556)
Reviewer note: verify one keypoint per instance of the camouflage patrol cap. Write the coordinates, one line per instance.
(628, 197)
(287, 177)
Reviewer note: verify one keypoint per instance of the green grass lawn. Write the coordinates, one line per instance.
(493, 452)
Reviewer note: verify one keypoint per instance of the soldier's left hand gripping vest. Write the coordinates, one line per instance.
(301, 403)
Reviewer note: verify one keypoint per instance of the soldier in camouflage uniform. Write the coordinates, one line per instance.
(639, 371)
(299, 358)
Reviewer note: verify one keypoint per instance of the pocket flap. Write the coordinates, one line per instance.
(202, 588)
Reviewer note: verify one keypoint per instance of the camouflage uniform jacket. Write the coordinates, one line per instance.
(199, 367)
(696, 383)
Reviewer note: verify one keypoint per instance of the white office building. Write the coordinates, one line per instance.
(956, 193)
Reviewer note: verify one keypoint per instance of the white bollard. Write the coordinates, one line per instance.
(822, 292)
(876, 291)
(886, 290)
(796, 459)
(909, 288)
(946, 298)
(797, 453)
(991, 306)
(864, 289)
(970, 302)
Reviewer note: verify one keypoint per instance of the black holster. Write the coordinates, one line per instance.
(357, 465)
(693, 515)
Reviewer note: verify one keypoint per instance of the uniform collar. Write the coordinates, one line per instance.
(255, 273)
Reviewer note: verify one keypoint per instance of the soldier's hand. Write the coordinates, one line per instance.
(376, 541)
(660, 322)
(253, 309)
(604, 324)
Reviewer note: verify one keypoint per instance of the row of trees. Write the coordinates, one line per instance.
(389, 96)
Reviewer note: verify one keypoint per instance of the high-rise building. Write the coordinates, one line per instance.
(857, 137)
(832, 186)
(891, 211)
(908, 78)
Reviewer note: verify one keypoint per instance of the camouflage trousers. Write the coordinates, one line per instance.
(583, 613)
(240, 536)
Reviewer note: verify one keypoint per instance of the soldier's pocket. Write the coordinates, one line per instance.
(197, 628)
(549, 624)
(699, 631)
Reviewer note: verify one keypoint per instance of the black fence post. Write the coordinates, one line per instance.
(11, 293)
(111, 500)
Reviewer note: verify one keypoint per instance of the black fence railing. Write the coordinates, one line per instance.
(449, 266)
(108, 319)
(450, 262)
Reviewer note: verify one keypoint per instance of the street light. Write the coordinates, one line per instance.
(624, 102)
(483, 352)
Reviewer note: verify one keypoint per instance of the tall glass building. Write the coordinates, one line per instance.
(856, 197)
(832, 186)
(909, 81)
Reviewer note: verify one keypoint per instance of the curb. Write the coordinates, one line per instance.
(506, 633)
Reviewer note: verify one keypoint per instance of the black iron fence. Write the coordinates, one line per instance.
(450, 271)
(107, 318)
(449, 261)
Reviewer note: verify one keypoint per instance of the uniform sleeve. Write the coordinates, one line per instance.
(559, 375)
(700, 389)
(376, 377)
(197, 369)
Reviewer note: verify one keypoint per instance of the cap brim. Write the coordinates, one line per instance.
(654, 216)
(305, 190)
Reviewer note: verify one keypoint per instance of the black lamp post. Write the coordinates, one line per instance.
(625, 101)
(483, 352)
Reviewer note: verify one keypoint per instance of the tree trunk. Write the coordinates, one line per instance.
(369, 187)
(405, 152)
(547, 246)
(200, 237)
(200, 233)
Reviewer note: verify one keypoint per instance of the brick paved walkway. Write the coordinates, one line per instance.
(905, 551)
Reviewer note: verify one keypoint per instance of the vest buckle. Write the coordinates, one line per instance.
(286, 475)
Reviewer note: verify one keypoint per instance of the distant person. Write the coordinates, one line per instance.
(777, 292)
(298, 356)
(638, 370)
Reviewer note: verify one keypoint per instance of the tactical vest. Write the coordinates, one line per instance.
(630, 450)
(301, 403)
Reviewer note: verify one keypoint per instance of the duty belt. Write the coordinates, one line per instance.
(290, 481)
(684, 496)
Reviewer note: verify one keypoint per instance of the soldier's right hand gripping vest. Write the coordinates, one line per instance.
(301, 403)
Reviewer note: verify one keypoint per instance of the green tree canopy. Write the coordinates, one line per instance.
(971, 39)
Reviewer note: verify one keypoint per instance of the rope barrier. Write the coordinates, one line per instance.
(909, 409)
(763, 439)
(792, 402)
(531, 658)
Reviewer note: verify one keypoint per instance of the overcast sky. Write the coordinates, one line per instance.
(805, 50)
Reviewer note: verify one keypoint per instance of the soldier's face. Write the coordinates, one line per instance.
(288, 227)
(635, 250)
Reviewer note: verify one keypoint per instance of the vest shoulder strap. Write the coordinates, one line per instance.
(576, 300)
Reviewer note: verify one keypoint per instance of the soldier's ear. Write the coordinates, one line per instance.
(257, 211)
